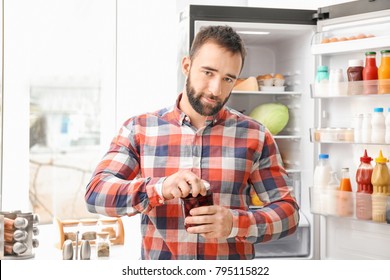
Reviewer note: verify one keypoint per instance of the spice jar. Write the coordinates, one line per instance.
(190, 202)
(103, 244)
(88, 229)
(109, 225)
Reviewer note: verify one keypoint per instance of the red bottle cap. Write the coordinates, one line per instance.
(365, 158)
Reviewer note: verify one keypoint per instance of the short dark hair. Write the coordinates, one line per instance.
(224, 36)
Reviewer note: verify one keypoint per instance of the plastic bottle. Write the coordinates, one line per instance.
(335, 82)
(370, 72)
(378, 127)
(345, 200)
(387, 124)
(322, 79)
(357, 128)
(384, 73)
(380, 180)
(364, 188)
(322, 176)
(332, 191)
(322, 171)
(366, 128)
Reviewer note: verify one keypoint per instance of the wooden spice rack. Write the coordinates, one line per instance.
(68, 229)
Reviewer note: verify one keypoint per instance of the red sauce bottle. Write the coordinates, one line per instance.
(370, 72)
(364, 188)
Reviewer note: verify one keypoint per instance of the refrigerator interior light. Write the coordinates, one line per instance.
(254, 32)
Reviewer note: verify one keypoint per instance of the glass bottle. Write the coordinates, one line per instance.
(190, 202)
(370, 72)
(345, 199)
(384, 73)
(354, 74)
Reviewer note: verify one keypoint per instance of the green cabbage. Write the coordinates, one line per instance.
(273, 116)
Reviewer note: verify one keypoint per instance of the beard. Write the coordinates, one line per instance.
(195, 100)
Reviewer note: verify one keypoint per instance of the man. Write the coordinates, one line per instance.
(158, 158)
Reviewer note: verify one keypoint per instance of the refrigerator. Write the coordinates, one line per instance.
(293, 43)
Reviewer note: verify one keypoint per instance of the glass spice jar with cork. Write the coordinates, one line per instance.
(103, 244)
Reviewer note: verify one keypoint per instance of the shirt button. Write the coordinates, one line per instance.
(161, 201)
(187, 119)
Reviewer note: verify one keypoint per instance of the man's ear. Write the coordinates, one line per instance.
(186, 65)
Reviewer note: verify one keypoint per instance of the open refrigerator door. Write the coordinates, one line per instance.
(339, 106)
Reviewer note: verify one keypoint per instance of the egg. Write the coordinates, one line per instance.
(361, 36)
(342, 39)
(351, 38)
(325, 41)
(333, 40)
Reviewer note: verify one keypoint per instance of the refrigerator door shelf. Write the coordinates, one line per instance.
(368, 88)
(370, 208)
(237, 92)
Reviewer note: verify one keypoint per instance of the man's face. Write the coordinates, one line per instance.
(211, 77)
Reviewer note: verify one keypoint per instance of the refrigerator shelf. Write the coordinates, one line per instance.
(368, 88)
(373, 43)
(374, 208)
(266, 92)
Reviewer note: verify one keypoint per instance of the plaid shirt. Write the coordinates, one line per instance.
(236, 154)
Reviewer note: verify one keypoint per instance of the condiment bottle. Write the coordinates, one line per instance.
(364, 188)
(190, 202)
(345, 200)
(384, 73)
(370, 72)
(380, 180)
(378, 126)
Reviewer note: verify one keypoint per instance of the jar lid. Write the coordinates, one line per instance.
(385, 51)
(103, 234)
(378, 110)
(355, 62)
(88, 221)
(370, 53)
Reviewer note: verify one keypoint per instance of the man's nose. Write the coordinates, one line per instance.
(215, 87)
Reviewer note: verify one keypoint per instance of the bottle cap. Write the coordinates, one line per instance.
(365, 158)
(322, 68)
(388, 109)
(378, 110)
(385, 51)
(322, 156)
(380, 158)
(345, 169)
(355, 62)
(370, 53)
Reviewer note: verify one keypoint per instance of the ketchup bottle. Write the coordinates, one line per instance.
(370, 72)
(364, 188)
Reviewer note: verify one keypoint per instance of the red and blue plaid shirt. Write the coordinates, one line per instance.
(236, 154)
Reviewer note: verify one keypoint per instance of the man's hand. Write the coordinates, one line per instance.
(181, 183)
(210, 221)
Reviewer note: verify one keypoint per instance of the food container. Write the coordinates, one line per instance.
(272, 88)
(332, 135)
(190, 202)
(103, 245)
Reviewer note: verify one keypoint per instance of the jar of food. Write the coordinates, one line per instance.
(88, 229)
(355, 74)
(190, 202)
(109, 225)
(103, 245)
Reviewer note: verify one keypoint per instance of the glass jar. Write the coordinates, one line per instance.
(70, 230)
(103, 245)
(88, 229)
(109, 225)
(384, 73)
(190, 202)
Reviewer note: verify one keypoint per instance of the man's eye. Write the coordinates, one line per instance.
(207, 73)
(229, 80)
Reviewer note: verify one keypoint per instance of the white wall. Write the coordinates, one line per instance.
(147, 44)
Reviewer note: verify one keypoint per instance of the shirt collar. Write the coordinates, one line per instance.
(182, 117)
